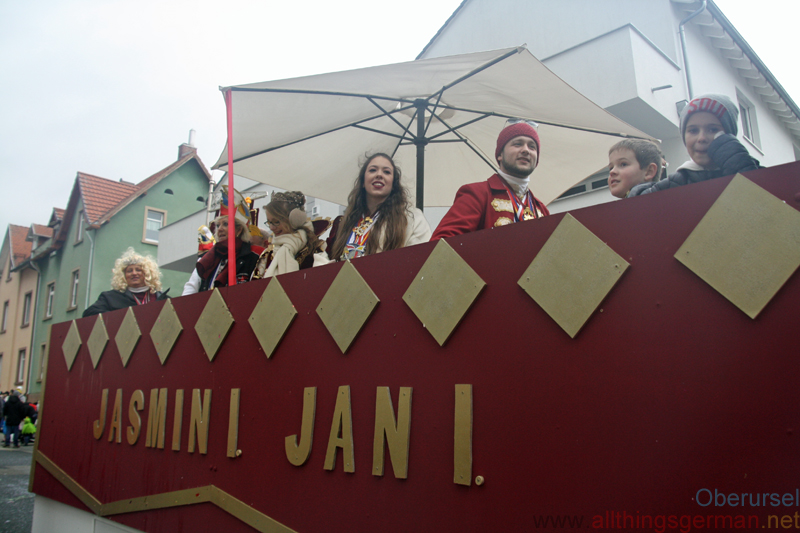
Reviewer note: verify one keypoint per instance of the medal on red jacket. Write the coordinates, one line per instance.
(523, 210)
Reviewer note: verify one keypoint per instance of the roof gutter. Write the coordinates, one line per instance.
(753, 57)
(35, 302)
(683, 47)
(438, 33)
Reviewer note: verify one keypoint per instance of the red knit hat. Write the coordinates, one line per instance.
(515, 130)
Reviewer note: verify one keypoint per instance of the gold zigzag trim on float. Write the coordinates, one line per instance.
(207, 494)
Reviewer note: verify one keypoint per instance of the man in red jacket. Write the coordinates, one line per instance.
(505, 197)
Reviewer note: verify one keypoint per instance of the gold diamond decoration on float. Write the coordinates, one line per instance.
(214, 324)
(97, 340)
(272, 316)
(128, 336)
(166, 331)
(443, 291)
(571, 274)
(746, 246)
(346, 306)
(72, 344)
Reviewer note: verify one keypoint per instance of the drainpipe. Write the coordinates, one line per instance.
(683, 47)
(208, 202)
(89, 274)
(29, 381)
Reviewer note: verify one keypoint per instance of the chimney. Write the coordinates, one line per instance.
(187, 148)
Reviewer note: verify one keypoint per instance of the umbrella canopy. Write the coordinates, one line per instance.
(311, 133)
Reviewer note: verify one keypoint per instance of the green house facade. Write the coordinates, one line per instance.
(102, 219)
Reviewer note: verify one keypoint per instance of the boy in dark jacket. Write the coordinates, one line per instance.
(708, 129)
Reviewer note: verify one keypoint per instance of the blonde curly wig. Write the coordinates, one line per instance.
(152, 275)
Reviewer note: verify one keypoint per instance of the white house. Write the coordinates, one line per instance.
(178, 241)
(638, 60)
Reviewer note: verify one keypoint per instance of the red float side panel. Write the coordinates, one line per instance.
(668, 389)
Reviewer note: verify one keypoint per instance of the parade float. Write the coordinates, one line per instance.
(632, 365)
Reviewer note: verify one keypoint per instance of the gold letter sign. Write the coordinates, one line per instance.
(462, 448)
(198, 421)
(100, 423)
(298, 453)
(341, 432)
(136, 404)
(395, 434)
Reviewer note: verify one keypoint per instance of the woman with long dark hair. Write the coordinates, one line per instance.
(379, 216)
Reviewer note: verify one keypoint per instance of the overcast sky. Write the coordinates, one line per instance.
(111, 88)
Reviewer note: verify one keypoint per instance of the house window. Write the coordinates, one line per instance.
(21, 367)
(154, 220)
(51, 293)
(26, 309)
(747, 114)
(79, 228)
(5, 317)
(587, 186)
(73, 295)
(42, 361)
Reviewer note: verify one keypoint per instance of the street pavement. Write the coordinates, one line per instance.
(16, 503)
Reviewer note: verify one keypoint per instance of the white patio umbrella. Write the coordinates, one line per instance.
(310, 133)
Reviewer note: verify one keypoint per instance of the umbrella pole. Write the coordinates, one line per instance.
(231, 205)
(420, 141)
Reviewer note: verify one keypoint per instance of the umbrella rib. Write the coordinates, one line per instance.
(336, 93)
(483, 67)
(373, 130)
(323, 93)
(391, 115)
(356, 124)
(546, 123)
(442, 141)
(465, 140)
(451, 129)
(433, 111)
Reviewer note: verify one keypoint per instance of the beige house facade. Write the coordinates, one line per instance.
(17, 296)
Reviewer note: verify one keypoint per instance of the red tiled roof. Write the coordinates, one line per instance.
(103, 198)
(144, 185)
(20, 248)
(56, 215)
(42, 231)
(100, 195)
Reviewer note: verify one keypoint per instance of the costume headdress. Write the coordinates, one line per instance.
(296, 201)
(242, 212)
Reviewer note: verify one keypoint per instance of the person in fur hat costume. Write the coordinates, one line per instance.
(295, 239)
(709, 125)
